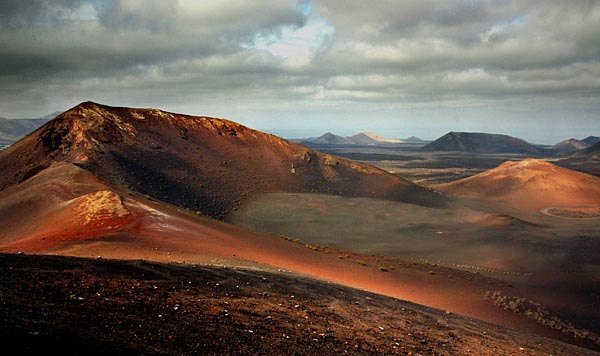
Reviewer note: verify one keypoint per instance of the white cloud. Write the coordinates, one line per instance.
(297, 46)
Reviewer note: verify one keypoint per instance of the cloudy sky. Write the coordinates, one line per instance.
(299, 68)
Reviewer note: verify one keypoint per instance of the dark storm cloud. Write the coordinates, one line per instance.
(466, 48)
(274, 54)
(21, 14)
(89, 38)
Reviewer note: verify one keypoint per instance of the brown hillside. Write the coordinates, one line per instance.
(530, 184)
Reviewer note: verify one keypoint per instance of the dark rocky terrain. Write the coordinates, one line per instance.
(80, 306)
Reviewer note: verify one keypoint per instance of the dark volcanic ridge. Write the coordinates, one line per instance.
(482, 143)
(81, 306)
(203, 164)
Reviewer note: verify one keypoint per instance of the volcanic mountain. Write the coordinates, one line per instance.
(371, 138)
(482, 143)
(203, 164)
(530, 184)
(135, 183)
(569, 146)
(331, 139)
(361, 139)
(414, 139)
(591, 140)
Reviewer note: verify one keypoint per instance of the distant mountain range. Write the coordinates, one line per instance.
(569, 146)
(482, 143)
(11, 130)
(360, 139)
(580, 148)
(494, 143)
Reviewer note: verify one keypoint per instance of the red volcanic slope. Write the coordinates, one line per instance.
(200, 163)
(530, 184)
(66, 210)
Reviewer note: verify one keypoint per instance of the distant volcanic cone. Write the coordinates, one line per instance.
(529, 184)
